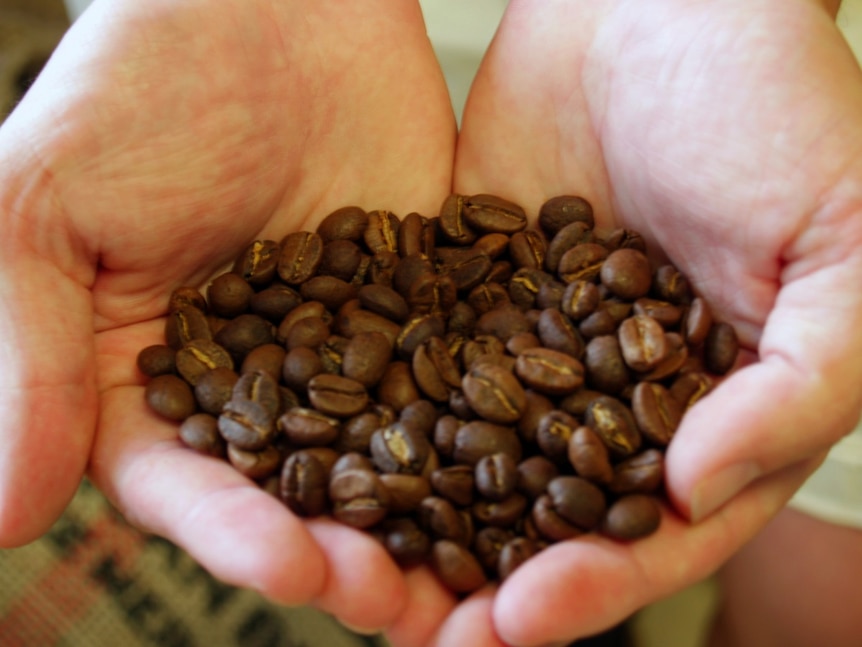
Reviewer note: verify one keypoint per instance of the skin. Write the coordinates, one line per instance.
(728, 132)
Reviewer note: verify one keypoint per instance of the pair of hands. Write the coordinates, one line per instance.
(164, 136)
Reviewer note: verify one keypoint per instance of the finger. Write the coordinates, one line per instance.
(235, 530)
(427, 605)
(470, 623)
(797, 401)
(47, 385)
(584, 586)
(357, 565)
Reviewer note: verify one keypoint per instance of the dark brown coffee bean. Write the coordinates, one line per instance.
(494, 393)
(577, 403)
(534, 474)
(589, 456)
(493, 245)
(416, 236)
(214, 389)
(301, 254)
(397, 388)
(444, 434)
(525, 284)
(557, 332)
(667, 314)
(537, 406)
(720, 348)
(549, 523)
(690, 387)
(441, 520)
(550, 295)
(601, 322)
(340, 259)
(300, 365)
(359, 498)
(417, 330)
(337, 396)
(304, 484)
(605, 368)
(582, 262)
(553, 435)
(514, 554)
(457, 568)
(568, 237)
(229, 295)
(642, 473)
(354, 322)
(248, 419)
(670, 285)
(454, 483)
(452, 223)
(503, 322)
(480, 345)
(501, 272)
(625, 239)
(627, 274)
(200, 432)
(580, 299)
(406, 491)
(632, 517)
(656, 411)
(384, 301)
(399, 449)
(310, 332)
(185, 324)
(243, 334)
(331, 291)
(488, 544)
(492, 214)
(503, 514)
(421, 416)
(351, 461)
(258, 262)
(366, 357)
(469, 270)
(435, 370)
(578, 501)
(274, 302)
(405, 542)
(496, 476)
(306, 427)
(462, 319)
(346, 223)
(381, 234)
(527, 249)
(563, 210)
(478, 438)
(697, 322)
(615, 425)
(642, 342)
(170, 397)
(268, 358)
(382, 268)
(257, 464)
(186, 297)
(200, 356)
(157, 359)
(549, 371)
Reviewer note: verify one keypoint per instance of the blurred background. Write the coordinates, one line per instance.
(39, 594)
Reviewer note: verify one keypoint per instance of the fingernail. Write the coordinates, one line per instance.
(719, 489)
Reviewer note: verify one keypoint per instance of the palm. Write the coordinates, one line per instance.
(728, 134)
(217, 123)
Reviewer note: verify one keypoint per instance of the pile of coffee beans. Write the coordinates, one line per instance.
(466, 389)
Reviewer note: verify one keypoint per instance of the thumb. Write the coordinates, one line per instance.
(47, 386)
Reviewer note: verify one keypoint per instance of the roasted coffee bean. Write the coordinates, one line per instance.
(444, 434)
(690, 387)
(435, 370)
(537, 406)
(421, 416)
(625, 239)
(656, 411)
(397, 388)
(478, 438)
(494, 245)
(494, 393)
(615, 425)
(492, 214)
(200, 356)
(381, 234)
(601, 322)
(525, 284)
(589, 456)
(200, 432)
(416, 236)
(185, 324)
(456, 567)
(454, 483)
(170, 397)
(563, 210)
(382, 267)
(406, 542)
(670, 285)
(578, 501)
(553, 435)
(406, 491)
(346, 223)
(549, 371)
(248, 419)
(642, 342)
(300, 365)
(417, 330)
(514, 554)
(557, 332)
(442, 521)
(627, 274)
(274, 302)
(580, 299)
(697, 322)
(337, 396)
(462, 319)
(331, 291)
(384, 301)
(642, 473)
(354, 322)
(157, 359)
(582, 262)
(186, 297)
(606, 369)
(720, 348)
(488, 544)
(573, 234)
(359, 498)
(214, 389)
(256, 465)
(365, 358)
(399, 449)
(305, 484)
(229, 295)
(258, 262)
(527, 249)
(503, 322)
(268, 358)
(503, 514)
(666, 314)
(501, 272)
(496, 476)
(534, 474)
(577, 403)
(550, 295)
(351, 461)
(452, 223)
(480, 345)
(549, 523)
(469, 270)
(300, 256)
(522, 341)
(632, 517)
(306, 427)
(673, 362)
(340, 259)
(243, 334)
